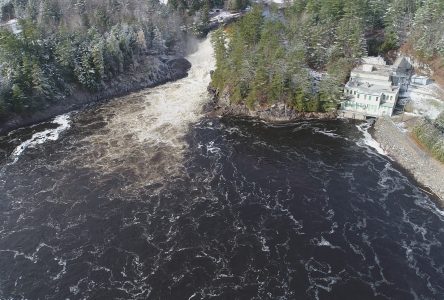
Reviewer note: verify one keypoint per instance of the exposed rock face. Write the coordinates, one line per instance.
(275, 113)
(420, 67)
(178, 66)
(150, 72)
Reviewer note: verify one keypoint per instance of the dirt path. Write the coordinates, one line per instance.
(401, 147)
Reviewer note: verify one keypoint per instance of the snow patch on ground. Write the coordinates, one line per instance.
(316, 75)
(13, 25)
(224, 16)
(426, 100)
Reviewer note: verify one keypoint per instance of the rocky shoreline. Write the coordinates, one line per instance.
(397, 144)
(167, 69)
(221, 106)
(402, 148)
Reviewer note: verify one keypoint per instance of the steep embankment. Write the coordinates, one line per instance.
(152, 71)
(407, 153)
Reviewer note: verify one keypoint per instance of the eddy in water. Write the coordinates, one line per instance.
(145, 198)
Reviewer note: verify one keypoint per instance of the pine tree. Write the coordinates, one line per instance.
(218, 40)
(399, 18)
(158, 41)
(299, 100)
(18, 98)
(38, 78)
(113, 53)
(331, 10)
(428, 28)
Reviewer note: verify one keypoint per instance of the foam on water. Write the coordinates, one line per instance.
(148, 126)
(330, 133)
(368, 140)
(41, 137)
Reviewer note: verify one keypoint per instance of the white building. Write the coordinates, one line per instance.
(374, 87)
(420, 80)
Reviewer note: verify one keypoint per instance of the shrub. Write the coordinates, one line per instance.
(430, 136)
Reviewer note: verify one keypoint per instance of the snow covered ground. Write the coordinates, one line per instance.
(316, 79)
(13, 25)
(224, 16)
(427, 100)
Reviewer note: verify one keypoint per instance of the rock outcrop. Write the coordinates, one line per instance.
(220, 105)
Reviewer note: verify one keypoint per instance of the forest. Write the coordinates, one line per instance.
(268, 56)
(271, 57)
(60, 46)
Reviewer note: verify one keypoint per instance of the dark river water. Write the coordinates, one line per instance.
(143, 198)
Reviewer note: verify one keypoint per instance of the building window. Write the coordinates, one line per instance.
(391, 97)
(377, 98)
(355, 92)
(365, 97)
(359, 95)
(369, 97)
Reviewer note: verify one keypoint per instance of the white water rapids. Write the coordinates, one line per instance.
(144, 128)
(63, 122)
(136, 133)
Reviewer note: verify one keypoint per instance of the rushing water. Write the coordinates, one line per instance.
(143, 197)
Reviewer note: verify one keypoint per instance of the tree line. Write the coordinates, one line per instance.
(63, 45)
(269, 55)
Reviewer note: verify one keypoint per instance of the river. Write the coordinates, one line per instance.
(144, 197)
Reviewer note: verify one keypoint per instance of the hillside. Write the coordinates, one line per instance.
(275, 55)
(62, 52)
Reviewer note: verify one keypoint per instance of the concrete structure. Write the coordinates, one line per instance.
(420, 80)
(374, 60)
(402, 72)
(374, 87)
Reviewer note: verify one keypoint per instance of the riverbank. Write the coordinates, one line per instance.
(151, 72)
(221, 106)
(402, 148)
(396, 142)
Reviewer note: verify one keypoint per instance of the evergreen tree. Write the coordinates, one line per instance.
(299, 100)
(428, 29)
(158, 41)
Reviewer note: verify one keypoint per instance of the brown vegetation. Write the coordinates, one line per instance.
(436, 63)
